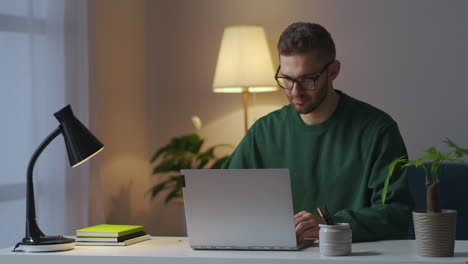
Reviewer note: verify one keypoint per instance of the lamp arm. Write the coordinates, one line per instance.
(32, 230)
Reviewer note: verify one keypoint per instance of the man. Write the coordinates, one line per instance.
(337, 148)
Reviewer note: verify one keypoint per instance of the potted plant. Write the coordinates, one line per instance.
(434, 227)
(183, 152)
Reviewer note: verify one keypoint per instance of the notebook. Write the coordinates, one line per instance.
(239, 209)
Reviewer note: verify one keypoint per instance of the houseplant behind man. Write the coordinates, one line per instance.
(337, 148)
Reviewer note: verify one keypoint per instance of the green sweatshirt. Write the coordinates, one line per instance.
(341, 163)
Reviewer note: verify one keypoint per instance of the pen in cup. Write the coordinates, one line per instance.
(335, 238)
(326, 216)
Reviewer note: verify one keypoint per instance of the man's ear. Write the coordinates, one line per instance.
(334, 69)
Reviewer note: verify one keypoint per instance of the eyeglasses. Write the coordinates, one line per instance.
(306, 83)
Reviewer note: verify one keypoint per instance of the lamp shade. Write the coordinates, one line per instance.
(81, 144)
(244, 62)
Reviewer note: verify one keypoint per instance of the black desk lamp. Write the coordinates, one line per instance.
(81, 145)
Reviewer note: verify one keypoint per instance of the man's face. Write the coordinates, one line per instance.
(305, 65)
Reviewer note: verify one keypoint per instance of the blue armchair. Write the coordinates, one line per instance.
(453, 190)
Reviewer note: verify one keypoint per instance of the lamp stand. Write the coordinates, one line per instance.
(245, 104)
(35, 240)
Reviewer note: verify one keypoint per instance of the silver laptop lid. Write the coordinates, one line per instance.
(239, 209)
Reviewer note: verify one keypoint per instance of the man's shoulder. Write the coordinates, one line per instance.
(365, 111)
(274, 117)
(272, 124)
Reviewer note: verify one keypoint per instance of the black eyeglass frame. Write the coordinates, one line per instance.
(298, 80)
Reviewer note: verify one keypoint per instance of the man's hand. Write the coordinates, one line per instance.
(307, 225)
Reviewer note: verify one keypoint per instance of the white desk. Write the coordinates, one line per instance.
(174, 250)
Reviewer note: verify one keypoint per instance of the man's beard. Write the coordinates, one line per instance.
(313, 102)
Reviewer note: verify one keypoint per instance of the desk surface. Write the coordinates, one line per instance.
(176, 250)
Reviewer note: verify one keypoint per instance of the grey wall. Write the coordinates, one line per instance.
(405, 57)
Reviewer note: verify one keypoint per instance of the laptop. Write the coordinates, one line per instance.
(239, 209)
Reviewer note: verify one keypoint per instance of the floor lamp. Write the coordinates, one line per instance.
(244, 64)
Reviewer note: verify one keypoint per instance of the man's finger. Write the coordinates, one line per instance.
(311, 233)
(299, 220)
(300, 214)
(312, 219)
(307, 231)
(302, 227)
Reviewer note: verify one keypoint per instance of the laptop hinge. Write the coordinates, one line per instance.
(182, 180)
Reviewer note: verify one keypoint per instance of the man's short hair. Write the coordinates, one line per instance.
(301, 37)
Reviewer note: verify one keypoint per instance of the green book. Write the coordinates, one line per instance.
(106, 230)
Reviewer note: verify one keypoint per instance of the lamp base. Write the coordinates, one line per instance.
(46, 244)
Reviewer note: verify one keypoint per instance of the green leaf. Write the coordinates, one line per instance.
(159, 152)
(419, 162)
(175, 162)
(188, 143)
(431, 151)
(183, 152)
(219, 162)
(158, 188)
(426, 172)
(178, 181)
(172, 195)
(391, 170)
(205, 157)
(459, 152)
(432, 155)
(191, 143)
(166, 166)
(450, 143)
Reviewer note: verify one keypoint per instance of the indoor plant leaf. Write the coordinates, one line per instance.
(158, 153)
(432, 155)
(182, 152)
(219, 162)
(173, 194)
(155, 190)
(460, 152)
(391, 169)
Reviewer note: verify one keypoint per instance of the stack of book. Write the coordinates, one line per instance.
(110, 235)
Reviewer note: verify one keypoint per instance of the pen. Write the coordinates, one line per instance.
(325, 214)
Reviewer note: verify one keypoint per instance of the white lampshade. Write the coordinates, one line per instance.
(244, 62)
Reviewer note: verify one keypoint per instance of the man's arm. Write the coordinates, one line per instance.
(391, 220)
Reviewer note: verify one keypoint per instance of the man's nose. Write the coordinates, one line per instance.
(296, 89)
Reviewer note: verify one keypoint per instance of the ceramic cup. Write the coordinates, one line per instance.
(335, 240)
